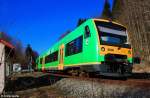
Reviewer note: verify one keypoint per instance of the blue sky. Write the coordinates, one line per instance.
(41, 22)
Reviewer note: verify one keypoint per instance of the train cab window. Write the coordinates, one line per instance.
(74, 46)
(87, 32)
(51, 57)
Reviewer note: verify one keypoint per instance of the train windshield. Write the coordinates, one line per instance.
(111, 34)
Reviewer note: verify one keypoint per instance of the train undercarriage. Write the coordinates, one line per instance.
(114, 65)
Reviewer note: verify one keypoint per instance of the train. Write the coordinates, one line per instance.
(96, 46)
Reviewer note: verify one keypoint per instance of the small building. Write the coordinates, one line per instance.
(16, 67)
(6, 53)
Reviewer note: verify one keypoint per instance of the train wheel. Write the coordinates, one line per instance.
(83, 74)
(73, 72)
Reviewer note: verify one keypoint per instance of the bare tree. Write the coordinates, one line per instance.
(106, 14)
(135, 14)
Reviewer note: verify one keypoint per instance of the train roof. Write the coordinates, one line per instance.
(104, 20)
(94, 19)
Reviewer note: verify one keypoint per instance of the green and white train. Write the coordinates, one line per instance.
(96, 46)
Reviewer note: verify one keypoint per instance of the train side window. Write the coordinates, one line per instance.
(74, 47)
(51, 57)
(87, 32)
(55, 56)
(48, 59)
(41, 60)
(37, 61)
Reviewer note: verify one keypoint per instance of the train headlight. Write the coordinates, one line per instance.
(102, 49)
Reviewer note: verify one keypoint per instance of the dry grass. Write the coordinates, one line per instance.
(141, 68)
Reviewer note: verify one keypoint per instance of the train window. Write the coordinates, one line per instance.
(74, 46)
(41, 60)
(87, 32)
(48, 59)
(55, 56)
(37, 61)
(51, 57)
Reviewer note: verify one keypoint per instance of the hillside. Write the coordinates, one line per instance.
(135, 14)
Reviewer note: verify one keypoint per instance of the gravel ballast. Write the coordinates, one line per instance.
(92, 89)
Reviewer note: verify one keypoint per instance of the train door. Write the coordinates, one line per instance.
(43, 63)
(61, 58)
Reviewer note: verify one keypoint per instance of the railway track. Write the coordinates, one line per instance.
(66, 83)
(132, 81)
(42, 79)
(134, 76)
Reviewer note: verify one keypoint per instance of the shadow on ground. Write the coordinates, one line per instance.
(29, 82)
(140, 76)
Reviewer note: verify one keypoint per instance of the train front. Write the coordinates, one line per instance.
(115, 52)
